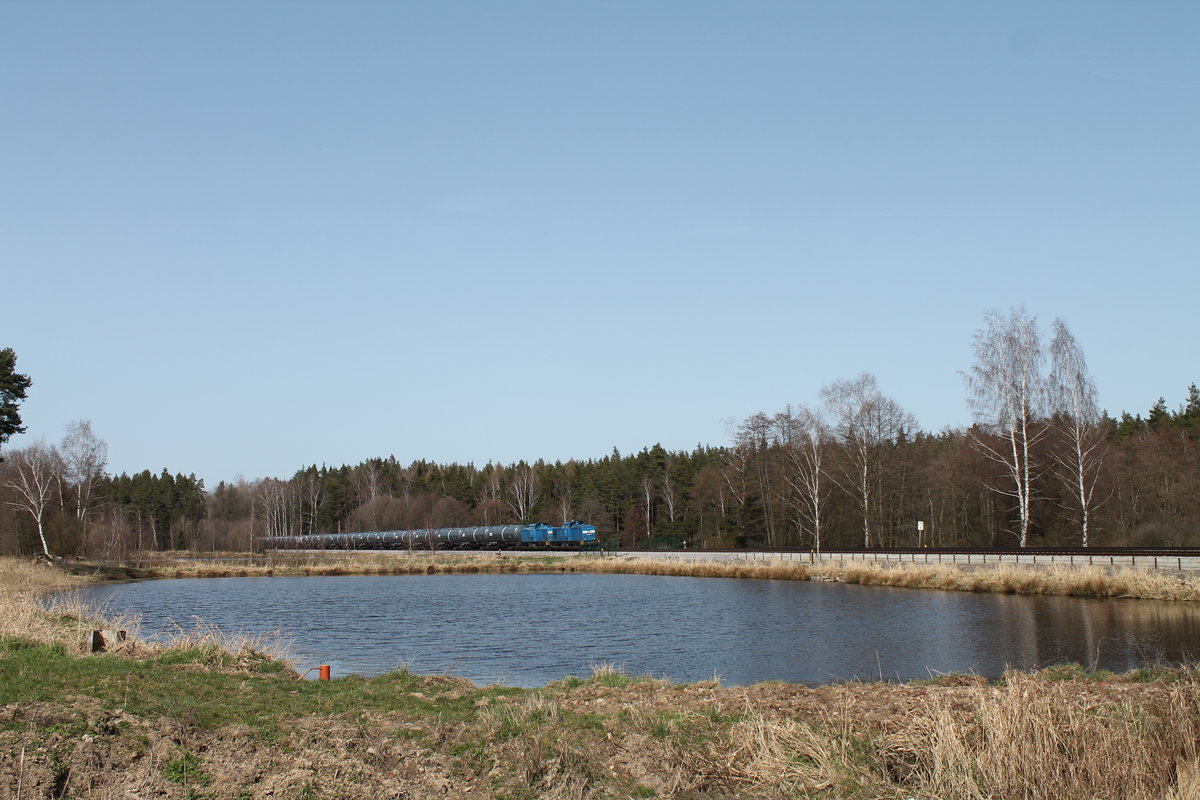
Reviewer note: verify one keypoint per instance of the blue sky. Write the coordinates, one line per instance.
(244, 237)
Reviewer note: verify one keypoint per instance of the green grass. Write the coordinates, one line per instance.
(194, 687)
(186, 770)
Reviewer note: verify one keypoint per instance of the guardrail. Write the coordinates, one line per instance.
(1174, 563)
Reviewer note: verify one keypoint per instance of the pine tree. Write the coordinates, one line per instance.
(1159, 417)
(12, 390)
(1189, 416)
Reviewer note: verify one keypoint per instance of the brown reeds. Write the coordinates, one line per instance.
(40, 606)
(1030, 736)
(28, 575)
(33, 613)
(351, 563)
(1041, 739)
(1004, 579)
(64, 619)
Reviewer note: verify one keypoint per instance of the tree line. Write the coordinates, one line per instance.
(1040, 465)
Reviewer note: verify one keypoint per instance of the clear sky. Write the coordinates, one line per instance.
(245, 237)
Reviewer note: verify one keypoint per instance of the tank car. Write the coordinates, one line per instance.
(538, 536)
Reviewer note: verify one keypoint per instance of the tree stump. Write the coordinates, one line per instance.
(100, 641)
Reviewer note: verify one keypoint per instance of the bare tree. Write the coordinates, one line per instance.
(524, 491)
(805, 437)
(1077, 417)
(84, 457)
(368, 480)
(33, 475)
(488, 503)
(753, 439)
(865, 421)
(368, 486)
(309, 496)
(669, 497)
(279, 501)
(1008, 397)
(563, 506)
(648, 502)
(116, 535)
(709, 490)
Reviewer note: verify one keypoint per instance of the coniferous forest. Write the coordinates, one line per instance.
(1041, 466)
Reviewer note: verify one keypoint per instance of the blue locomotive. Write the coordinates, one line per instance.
(569, 535)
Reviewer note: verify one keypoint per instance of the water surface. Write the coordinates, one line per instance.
(527, 630)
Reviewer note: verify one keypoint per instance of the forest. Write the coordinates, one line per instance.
(1041, 466)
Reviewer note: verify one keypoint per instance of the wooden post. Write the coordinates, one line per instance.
(100, 641)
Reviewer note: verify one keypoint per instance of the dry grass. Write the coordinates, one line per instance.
(763, 756)
(350, 563)
(1012, 579)
(1006, 579)
(39, 606)
(32, 613)
(64, 620)
(1037, 738)
(229, 651)
(1031, 736)
(26, 575)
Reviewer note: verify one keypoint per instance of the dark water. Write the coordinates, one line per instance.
(527, 630)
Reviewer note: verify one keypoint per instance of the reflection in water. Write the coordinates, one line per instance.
(1047, 630)
(527, 630)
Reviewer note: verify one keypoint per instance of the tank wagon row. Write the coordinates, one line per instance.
(569, 535)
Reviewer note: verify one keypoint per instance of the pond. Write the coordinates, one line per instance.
(528, 630)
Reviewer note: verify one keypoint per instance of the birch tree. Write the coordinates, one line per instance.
(648, 502)
(311, 490)
(752, 440)
(805, 438)
(524, 491)
(1079, 456)
(488, 502)
(864, 421)
(1008, 395)
(564, 507)
(32, 476)
(84, 456)
(279, 501)
(368, 481)
(669, 497)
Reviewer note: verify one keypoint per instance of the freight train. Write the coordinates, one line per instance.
(568, 536)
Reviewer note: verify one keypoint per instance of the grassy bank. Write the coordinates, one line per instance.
(1006, 579)
(207, 716)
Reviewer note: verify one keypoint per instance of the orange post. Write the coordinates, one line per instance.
(323, 672)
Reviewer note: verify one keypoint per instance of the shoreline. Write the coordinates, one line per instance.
(1079, 581)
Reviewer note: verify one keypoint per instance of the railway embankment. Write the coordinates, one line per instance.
(210, 716)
